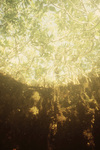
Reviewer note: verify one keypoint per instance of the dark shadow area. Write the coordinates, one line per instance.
(60, 118)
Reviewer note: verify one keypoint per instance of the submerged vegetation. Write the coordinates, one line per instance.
(66, 117)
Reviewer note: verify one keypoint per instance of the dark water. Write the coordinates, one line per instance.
(64, 118)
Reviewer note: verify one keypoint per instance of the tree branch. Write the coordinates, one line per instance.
(73, 18)
(83, 5)
(94, 26)
(76, 7)
(95, 5)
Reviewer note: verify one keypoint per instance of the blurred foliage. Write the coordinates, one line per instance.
(47, 41)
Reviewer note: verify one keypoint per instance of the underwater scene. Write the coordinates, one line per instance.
(49, 118)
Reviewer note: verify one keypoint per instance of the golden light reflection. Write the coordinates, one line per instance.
(34, 110)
